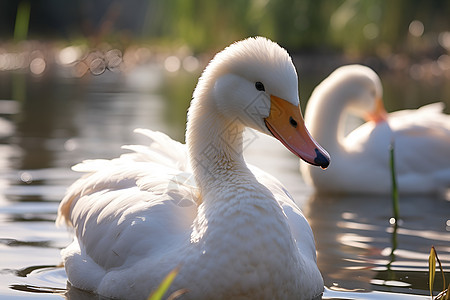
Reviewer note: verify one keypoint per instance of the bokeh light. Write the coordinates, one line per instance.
(37, 66)
(172, 64)
(416, 28)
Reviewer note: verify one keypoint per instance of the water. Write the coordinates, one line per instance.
(55, 122)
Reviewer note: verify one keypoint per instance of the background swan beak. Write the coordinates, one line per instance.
(286, 124)
(379, 114)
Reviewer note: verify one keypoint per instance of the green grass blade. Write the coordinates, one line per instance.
(432, 268)
(395, 206)
(22, 21)
(164, 285)
(440, 268)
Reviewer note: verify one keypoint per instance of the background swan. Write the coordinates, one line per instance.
(361, 159)
(234, 232)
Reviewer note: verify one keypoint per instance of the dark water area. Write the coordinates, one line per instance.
(52, 122)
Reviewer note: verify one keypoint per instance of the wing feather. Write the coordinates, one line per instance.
(144, 195)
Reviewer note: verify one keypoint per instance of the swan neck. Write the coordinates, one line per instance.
(215, 144)
(325, 120)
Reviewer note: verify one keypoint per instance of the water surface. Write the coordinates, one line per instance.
(51, 123)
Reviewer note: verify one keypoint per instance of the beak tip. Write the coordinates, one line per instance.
(322, 160)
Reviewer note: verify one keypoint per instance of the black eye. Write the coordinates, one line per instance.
(293, 122)
(259, 86)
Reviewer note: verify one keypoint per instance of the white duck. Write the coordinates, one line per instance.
(361, 159)
(234, 233)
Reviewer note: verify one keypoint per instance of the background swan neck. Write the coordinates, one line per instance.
(325, 119)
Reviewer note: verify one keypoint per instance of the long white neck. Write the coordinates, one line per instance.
(215, 144)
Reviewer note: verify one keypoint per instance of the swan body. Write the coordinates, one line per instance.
(361, 162)
(232, 230)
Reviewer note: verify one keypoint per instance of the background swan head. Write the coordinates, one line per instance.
(362, 87)
(253, 83)
(359, 87)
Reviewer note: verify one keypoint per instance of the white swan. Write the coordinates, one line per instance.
(234, 233)
(361, 159)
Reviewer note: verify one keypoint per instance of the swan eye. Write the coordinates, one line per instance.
(259, 86)
(293, 122)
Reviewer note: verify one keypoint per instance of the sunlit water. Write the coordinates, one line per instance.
(49, 124)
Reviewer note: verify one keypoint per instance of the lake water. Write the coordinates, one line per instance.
(50, 123)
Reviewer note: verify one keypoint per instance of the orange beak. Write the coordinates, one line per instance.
(286, 124)
(379, 114)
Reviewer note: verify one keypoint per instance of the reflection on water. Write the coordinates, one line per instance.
(358, 249)
(54, 123)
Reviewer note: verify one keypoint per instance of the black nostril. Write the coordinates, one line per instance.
(293, 122)
(321, 160)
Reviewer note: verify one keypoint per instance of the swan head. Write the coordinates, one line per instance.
(362, 88)
(253, 82)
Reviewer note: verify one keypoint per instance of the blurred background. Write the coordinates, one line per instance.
(406, 38)
(76, 77)
(358, 27)
(399, 33)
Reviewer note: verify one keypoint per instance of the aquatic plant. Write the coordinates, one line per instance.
(444, 294)
(395, 206)
(159, 293)
(22, 21)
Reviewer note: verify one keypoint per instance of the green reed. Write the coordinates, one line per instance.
(395, 206)
(432, 259)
